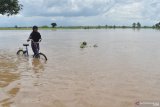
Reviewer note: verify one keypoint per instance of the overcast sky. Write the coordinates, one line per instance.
(84, 12)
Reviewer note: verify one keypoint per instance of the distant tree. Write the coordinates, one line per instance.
(9, 7)
(153, 26)
(15, 26)
(157, 25)
(53, 25)
(146, 26)
(134, 25)
(138, 25)
(86, 27)
(110, 26)
(123, 26)
(98, 27)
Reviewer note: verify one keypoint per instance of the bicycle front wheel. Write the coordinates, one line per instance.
(42, 56)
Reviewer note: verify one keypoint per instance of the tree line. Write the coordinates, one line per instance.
(134, 25)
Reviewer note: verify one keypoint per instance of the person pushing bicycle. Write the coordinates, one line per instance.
(35, 38)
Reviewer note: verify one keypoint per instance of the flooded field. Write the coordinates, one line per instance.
(123, 69)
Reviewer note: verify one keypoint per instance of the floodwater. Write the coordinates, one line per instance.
(123, 69)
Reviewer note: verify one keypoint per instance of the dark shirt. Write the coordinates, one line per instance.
(35, 36)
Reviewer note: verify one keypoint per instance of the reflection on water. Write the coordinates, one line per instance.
(9, 85)
(37, 65)
(12, 71)
(123, 69)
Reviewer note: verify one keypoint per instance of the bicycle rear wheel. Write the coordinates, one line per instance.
(42, 57)
(20, 52)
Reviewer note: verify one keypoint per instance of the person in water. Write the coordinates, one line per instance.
(35, 38)
(83, 44)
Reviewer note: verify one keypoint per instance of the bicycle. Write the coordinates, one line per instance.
(40, 55)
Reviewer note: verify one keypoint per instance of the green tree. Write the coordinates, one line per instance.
(134, 25)
(138, 25)
(9, 7)
(157, 25)
(15, 26)
(106, 26)
(123, 26)
(53, 25)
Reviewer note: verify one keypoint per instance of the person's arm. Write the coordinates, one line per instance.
(40, 39)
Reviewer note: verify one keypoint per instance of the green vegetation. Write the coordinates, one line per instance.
(134, 26)
(13, 28)
(45, 27)
(103, 27)
(71, 27)
(9, 7)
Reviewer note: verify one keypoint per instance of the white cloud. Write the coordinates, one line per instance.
(151, 9)
(85, 12)
(127, 11)
(66, 8)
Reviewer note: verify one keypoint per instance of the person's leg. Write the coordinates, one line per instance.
(38, 47)
(33, 48)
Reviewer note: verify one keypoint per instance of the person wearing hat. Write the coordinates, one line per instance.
(35, 36)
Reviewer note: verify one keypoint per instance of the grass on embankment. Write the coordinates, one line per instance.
(76, 27)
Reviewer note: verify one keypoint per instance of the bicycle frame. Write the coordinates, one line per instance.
(26, 51)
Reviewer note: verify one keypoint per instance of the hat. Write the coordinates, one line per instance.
(34, 27)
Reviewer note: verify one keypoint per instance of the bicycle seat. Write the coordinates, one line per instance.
(25, 44)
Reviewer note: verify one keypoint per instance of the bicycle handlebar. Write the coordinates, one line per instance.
(33, 41)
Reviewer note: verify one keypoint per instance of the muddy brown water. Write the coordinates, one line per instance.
(123, 69)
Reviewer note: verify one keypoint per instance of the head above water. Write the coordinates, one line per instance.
(35, 28)
(84, 43)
